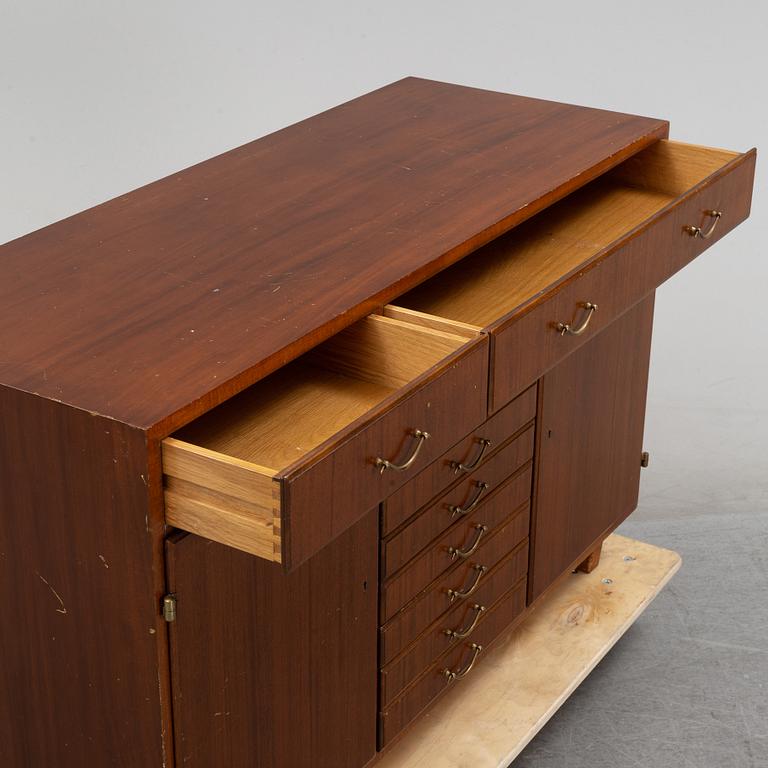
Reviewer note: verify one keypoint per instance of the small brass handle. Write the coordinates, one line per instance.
(699, 232)
(569, 328)
(460, 634)
(458, 510)
(384, 464)
(455, 594)
(451, 675)
(459, 467)
(464, 553)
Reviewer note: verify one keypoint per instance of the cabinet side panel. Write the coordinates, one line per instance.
(272, 668)
(590, 441)
(78, 638)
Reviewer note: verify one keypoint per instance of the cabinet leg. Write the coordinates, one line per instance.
(591, 561)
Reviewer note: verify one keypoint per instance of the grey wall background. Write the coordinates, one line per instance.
(101, 96)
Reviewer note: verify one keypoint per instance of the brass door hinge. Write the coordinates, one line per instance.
(169, 608)
(645, 458)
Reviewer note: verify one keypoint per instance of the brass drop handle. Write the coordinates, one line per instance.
(455, 594)
(456, 510)
(459, 467)
(384, 464)
(464, 553)
(460, 634)
(699, 232)
(451, 675)
(569, 328)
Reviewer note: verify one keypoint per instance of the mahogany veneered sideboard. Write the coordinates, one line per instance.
(291, 437)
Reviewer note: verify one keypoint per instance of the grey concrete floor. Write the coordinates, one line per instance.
(688, 684)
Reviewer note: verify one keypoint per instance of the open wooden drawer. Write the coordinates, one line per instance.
(283, 468)
(552, 283)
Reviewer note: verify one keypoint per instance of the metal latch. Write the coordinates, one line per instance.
(169, 608)
(645, 458)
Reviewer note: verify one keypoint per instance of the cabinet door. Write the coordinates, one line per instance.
(590, 442)
(272, 669)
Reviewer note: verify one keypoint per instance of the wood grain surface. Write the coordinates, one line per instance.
(155, 306)
(406, 625)
(343, 474)
(401, 643)
(442, 474)
(81, 637)
(475, 491)
(434, 641)
(273, 669)
(591, 438)
(464, 534)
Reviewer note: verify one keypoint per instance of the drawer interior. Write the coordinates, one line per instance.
(506, 274)
(222, 470)
(280, 419)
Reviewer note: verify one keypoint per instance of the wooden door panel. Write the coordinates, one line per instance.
(271, 668)
(590, 441)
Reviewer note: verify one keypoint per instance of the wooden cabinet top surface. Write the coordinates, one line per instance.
(157, 305)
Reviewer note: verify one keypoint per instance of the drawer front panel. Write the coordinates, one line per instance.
(406, 626)
(324, 497)
(465, 536)
(471, 494)
(453, 627)
(526, 346)
(442, 473)
(465, 575)
(458, 660)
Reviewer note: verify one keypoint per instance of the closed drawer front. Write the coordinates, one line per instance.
(463, 498)
(455, 626)
(406, 625)
(449, 670)
(467, 455)
(607, 245)
(288, 465)
(460, 542)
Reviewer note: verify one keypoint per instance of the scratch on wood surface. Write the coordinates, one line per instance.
(63, 608)
(104, 561)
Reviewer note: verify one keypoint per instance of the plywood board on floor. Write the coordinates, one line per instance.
(495, 712)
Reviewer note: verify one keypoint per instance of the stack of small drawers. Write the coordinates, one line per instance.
(454, 561)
